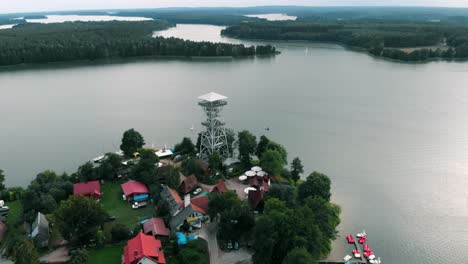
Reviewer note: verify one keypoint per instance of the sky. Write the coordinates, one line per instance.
(13, 6)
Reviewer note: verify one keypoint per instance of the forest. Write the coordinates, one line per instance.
(40, 43)
(378, 37)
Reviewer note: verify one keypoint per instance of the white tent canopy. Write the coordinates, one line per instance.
(248, 189)
(262, 173)
(250, 173)
(242, 178)
(256, 168)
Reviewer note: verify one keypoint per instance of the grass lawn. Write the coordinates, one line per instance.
(122, 210)
(111, 255)
(15, 213)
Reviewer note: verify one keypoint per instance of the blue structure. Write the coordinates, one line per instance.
(140, 197)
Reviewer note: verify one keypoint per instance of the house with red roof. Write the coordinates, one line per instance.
(90, 189)
(143, 249)
(188, 184)
(190, 210)
(157, 228)
(220, 187)
(134, 190)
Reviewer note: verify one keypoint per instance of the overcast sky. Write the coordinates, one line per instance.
(10, 6)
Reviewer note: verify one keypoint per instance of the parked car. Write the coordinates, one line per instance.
(137, 205)
(229, 244)
(197, 191)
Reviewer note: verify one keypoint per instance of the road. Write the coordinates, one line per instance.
(217, 256)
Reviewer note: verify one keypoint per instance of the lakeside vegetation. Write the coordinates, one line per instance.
(71, 41)
(380, 38)
(296, 218)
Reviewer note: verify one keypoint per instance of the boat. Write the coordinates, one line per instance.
(192, 128)
(350, 239)
(367, 254)
(363, 234)
(367, 247)
(375, 261)
(356, 253)
(362, 240)
(371, 257)
(347, 258)
(99, 159)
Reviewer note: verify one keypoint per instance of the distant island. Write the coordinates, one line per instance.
(72, 41)
(397, 40)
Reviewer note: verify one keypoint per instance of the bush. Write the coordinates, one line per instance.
(119, 232)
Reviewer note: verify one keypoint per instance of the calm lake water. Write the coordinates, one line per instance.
(274, 17)
(392, 137)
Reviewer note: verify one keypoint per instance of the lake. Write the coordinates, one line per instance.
(273, 17)
(392, 137)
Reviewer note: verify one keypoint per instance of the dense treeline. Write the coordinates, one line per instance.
(380, 38)
(39, 43)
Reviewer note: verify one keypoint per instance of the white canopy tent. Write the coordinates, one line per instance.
(256, 169)
(242, 178)
(248, 189)
(250, 173)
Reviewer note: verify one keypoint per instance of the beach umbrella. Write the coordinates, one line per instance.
(250, 173)
(256, 169)
(242, 178)
(262, 173)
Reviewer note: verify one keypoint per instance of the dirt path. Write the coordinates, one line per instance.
(60, 255)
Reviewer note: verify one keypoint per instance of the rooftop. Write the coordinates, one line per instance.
(212, 97)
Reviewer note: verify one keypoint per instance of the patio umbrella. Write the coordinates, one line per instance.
(250, 173)
(248, 189)
(262, 173)
(256, 169)
(242, 178)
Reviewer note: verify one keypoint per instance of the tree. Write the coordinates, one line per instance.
(79, 218)
(246, 145)
(218, 203)
(22, 251)
(109, 166)
(236, 222)
(299, 256)
(186, 147)
(285, 193)
(272, 162)
(231, 139)
(280, 149)
(296, 169)
(316, 184)
(2, 180)
(215, 161)
(119, 232)
(145, 170)
(79, 257)
(172, 176)
(262, 144)
(132, 141)
(87, 172)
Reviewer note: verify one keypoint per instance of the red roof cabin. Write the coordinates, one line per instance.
(134, 189)
(200, 204)
(189, 184)
(220, 187)
(156, 227)
(90, 189)
(143, 249)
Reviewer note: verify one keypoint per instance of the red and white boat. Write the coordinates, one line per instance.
(350, 239)
(356, 253)
(362, 240)
(366, 247)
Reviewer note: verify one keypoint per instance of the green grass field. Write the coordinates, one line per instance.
(16, 211)
(122, 210)
(111, 255)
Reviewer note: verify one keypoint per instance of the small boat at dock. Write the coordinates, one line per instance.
(356, 253)
(362, 240)
(350, 239)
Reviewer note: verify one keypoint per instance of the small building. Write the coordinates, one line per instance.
(157, 228)
(220, 187)
(172, 198)
(40, 231)
(192, 213)
(189, 184)
(164, 153)
(255, 199)
(135, 191)
(90, 189)
(143, 249)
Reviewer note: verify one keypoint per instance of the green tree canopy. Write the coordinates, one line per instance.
(299, 256)
(247, 144)
(316, 184)
(132, 141)
(296, 169)
(218, 203)
(22, 251)
(272, 162)
(215, 161)
(186, 147)
(280, 149)
(79, 218)
(2, 180)
(262, 145)
(145, 170)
